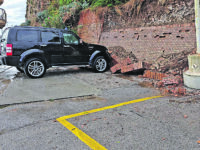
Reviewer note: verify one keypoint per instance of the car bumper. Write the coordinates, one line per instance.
(10, 60)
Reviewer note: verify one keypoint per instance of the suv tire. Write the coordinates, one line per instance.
(35, 68)
(100, 64)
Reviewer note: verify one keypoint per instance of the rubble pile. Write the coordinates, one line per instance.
(167, 83)
(123, 61)
(122, 53)
(174, 63)
(166, 71)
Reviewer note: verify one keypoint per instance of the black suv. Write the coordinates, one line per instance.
(34, 49)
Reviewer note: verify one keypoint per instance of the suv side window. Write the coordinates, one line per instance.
(27, 35)
(70, 38)
(50, 36)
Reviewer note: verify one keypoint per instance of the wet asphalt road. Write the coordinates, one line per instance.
(166, 123)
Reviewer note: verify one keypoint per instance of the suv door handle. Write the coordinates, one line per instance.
(66, 45)
(43, 45)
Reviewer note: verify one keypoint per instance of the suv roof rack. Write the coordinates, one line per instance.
(31, 27)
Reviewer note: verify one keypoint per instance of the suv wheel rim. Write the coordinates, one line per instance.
(101, 64)
(36, 68)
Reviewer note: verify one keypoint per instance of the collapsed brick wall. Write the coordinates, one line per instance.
(145, 28)
(148, 43)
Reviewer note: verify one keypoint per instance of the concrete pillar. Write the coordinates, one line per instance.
(197, 24)
(192, 76)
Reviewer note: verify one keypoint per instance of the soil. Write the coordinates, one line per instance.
(174, 63)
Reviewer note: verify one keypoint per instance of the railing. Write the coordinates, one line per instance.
(1, 2)
(3, 18)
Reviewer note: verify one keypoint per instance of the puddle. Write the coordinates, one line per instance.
(67, 69)
(127, 77)
(6, 81)
(7, 74)
(3, 85)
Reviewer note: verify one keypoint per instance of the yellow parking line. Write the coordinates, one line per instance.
(83, 136)
(105, 108)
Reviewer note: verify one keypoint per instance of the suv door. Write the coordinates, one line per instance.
(74, 51)
(51, 44)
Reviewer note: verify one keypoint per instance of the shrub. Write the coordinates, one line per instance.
(71, 9)
(42, 15)
(109, 3)
(27, 23)
(65, 2)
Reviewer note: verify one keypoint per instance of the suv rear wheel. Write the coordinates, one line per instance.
(100, 64)
(35, 68)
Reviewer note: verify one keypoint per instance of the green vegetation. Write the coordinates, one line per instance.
(60, 10)
(51, 100)
(109, 3)
(65, 2)
(27, 23)
(53, 17)
(41, 16)
(103, 3)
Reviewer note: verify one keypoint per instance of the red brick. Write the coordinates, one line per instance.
(127, 68)
(115, 68)
(172, 80)
(148, 48)
(159, 84)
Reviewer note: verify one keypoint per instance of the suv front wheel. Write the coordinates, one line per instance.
(100, 64)
(35, 68)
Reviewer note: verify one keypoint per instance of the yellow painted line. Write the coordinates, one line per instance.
(83, 136)
(105, 108)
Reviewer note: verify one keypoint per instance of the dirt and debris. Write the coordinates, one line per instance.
(167, 83)
(187, 100)
(137, 13)
(174, 63)
(165, 74)
(119, 51)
